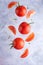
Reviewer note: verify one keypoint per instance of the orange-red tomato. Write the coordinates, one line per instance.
(25, 53)
(30, 37)
(30, 13)
(11, 4)
(24, 28)
(20, 11)
(18, 43)
(13, 29)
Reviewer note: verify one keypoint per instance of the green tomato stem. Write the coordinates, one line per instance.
(31, 23)
(11, 47)
(18, 4)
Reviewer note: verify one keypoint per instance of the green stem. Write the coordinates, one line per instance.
(18, 4)
(31, 23)
(10, 44)
(27, 7)
(15, 19)
(9, 37)
(11, 47)
(29, 43)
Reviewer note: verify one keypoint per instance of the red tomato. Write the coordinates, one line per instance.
(11, 4)
(30, 37)
(20, 11)
(24, 28)
(30, 13)
(13, 29)
(25, 53)
(18, 43)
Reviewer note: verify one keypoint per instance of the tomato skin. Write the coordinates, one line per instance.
(18, 43)
(30, 13)
(30, 37)
(11, 4)
(25, 53)
(24, 28)
(13, 29)
(20, 11)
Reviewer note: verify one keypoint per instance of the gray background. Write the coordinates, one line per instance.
(12, 56)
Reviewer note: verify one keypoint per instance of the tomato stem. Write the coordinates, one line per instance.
(27, 7)
(9, 37)
(31, 23)
(18, 4)
(15, 19)
(10, 44)
(11, 47)
(29, 43)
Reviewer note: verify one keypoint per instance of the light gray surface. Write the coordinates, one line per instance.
(11, 56)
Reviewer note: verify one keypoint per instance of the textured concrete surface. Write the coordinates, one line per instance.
(11, 56)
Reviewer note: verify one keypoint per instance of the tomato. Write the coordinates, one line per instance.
(24, 28)
(13, 29)
(30, 13)
(11, 4)
(20, 11)
(18, 43)
(25, 53)
(30, 37)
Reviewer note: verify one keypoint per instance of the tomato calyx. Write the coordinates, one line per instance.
(11, 44)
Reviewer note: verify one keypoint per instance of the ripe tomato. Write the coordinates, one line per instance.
(11, 4)
(25, 53)
(30, 13)
(20, 11)
(24, 28)
(30, 37)
(18, 43)
(13, 29)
